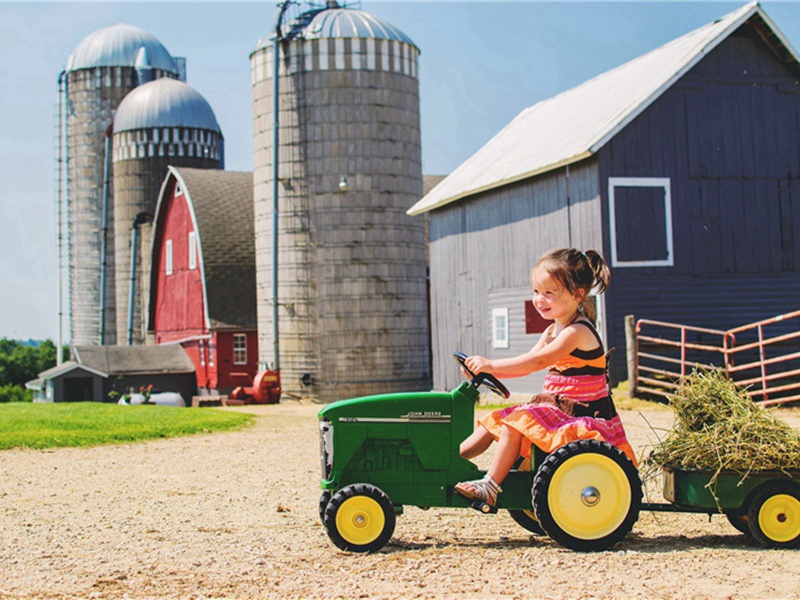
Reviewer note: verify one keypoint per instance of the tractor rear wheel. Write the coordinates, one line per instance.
(587, 495)
(774, 516)
(528, 520)
(359, 518)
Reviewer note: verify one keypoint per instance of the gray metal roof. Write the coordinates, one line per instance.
(164, 103)
(341, 23)
(118, 360)
(575, 124)
(118, 46)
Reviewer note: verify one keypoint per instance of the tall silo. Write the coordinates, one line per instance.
(352, 308)
(99, 74)
(161, 123)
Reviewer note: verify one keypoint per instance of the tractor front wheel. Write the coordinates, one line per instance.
(587, 495)
(359, 518)
(774, 517)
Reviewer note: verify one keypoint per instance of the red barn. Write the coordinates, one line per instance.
(203, 286)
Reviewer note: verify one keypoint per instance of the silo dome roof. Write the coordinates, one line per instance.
(338, 22)
(164, 103)
(118, 46)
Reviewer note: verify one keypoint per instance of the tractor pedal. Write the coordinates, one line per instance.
(483, 507)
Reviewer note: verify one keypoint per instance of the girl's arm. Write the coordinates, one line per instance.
(541, 356)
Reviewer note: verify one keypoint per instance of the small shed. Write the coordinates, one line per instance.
(94, 372)
(202, 292)
(682, 166)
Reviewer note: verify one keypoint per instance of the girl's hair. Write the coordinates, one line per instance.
(577, 270)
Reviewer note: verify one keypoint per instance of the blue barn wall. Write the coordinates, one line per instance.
(726, 135)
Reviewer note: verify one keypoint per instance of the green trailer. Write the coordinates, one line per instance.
(381, 453)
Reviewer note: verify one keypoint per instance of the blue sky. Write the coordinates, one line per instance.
(481, 64)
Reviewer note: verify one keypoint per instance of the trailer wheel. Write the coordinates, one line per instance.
(359, 518)
(587, 495)
(528, 520)
(323, 504)
(774, 516)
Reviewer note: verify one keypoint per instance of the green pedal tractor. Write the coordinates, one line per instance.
(381, 453)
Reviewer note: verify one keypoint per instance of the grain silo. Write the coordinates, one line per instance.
(161, 123)
(99, 74)
(351, 299)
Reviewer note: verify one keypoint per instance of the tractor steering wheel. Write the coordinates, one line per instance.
(487, 379)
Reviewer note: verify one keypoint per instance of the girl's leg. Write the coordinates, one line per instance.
(487, 489)
(507, 452)
(476, 444)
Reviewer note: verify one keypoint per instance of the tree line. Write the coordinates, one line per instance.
(21, 362)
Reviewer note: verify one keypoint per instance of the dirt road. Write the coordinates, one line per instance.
(234, 515)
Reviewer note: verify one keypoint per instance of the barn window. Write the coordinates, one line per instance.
(168, 257)
(239, 349)
(192, 250)
(499, 328)
(640, 214)
(534, 322)
(178, 190)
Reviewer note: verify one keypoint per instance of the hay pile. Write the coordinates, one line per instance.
(719, 428)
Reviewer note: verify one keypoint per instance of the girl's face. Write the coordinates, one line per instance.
(552, 300)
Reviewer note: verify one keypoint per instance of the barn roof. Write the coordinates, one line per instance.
(222, 208)
(575, 124)
(130, 360)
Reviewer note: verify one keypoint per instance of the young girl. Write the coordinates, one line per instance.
(575, 402)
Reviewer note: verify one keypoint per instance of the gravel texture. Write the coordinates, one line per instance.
(234, 515)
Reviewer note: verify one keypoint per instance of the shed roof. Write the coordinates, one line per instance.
(221, 203)
(164, 103)
(575, 124)
(119, 46)
(128, 360)
(68, 367)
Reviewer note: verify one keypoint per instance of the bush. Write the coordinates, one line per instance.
(15, 393)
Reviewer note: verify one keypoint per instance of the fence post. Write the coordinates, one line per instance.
(631, 351)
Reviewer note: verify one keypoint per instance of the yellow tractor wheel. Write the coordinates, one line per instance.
(587, 495)
(359, 518)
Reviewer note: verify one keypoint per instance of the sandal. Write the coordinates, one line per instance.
(480, 490)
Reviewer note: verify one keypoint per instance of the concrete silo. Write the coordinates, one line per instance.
(99, 74)
(352, 307)
(161, 123)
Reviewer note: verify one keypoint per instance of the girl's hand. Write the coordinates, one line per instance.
(479, 364)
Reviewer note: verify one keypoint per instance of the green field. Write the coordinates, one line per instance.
(24, 425)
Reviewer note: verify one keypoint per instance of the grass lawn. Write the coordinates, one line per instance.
(27, 425)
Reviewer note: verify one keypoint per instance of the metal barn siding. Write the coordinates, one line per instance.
(481, 254)
(725, 135)
(161, 123)
(352, 280)
(99, 74)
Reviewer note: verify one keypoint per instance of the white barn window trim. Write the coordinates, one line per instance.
(168, 257)
(239, 349)
(618, 255)
(192, 250)
(500, 328)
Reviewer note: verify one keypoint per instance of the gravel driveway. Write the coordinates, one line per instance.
(234, 515)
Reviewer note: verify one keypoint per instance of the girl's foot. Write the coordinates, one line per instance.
(482, 490)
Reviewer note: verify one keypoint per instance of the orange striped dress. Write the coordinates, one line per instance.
(575, 404)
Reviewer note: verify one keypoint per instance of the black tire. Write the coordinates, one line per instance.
(773, 516)
(323, 504)
(739, 523)
(587, 495)
(528, 520)
(359, 518)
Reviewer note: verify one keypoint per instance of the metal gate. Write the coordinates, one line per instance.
(763, 357)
